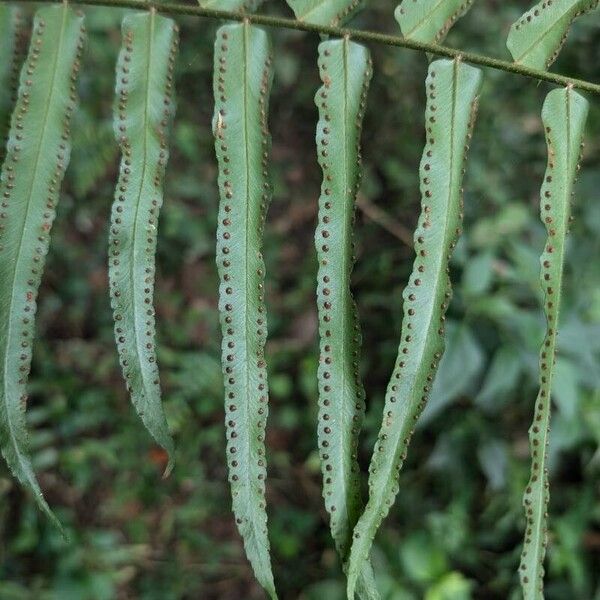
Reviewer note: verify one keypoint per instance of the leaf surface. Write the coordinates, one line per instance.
(537, 37)
(144, 107)
(564, 115)
(345, 70)
(235, 5)
(38, 152)
(452, 93)
(242, 84)
(429, 20)
(325, 12)
(12, 50)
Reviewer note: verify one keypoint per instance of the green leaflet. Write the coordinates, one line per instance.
(37, 156)
(143, 110)
(452, 92)
(429, 20)
(345, 69)
(241, 5)
(537, 37)
(325, 12)
(11, 56)
(564, 115)
(242, 84)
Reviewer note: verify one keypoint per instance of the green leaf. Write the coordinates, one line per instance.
(12, 50)
(452, 93)
(144, 106)
(242, 84)
(239, 5)
(501, 378)
(345, 69)
(38, 152)
(537, 37)
(564, 115)
(478, 274)
(458, 369)
(325, 12)
(452, 586)
(567, 391)
(429, 20)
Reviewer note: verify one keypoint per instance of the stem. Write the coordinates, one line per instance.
(354, 34)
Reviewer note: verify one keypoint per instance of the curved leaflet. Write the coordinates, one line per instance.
(242, 84)
(325, 12)
(143, 111)
(537, 37)
(429, 20)
(564, 115)
(38, 152)
(12, 48)
(452, 94)
(345, 69)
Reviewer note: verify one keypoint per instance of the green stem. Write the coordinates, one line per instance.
(354, 34)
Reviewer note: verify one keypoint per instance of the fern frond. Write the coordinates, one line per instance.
(429, 20)
(537, 37)
(241, 5)
(144, 107)
(564, 115)
(12, 50)
(325, 12)
(452, 93)
(38, 152)
(345, 69)
(242, 84)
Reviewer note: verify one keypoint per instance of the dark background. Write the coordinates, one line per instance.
(455, 531)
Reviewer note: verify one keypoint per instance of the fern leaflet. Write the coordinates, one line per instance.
(564, 115)
(241, 5)
(11, 55)
(537, 37)
(37, 156)
(143, 109)
(242, 84)
(429, 20)
(345, 69)
(452, 93)
(325, 12)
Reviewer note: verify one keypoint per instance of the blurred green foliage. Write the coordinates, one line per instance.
(455, 531)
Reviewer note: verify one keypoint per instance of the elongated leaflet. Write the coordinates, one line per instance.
(12, 49)
(537, 37)
(37, 155)
(429, 20)
(564, 115)
(345, 69)
(452, 93)
(242, 5)
(144, 106)
(325, 12)
(242, 84)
